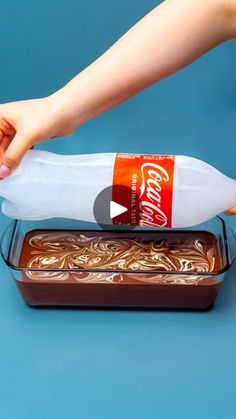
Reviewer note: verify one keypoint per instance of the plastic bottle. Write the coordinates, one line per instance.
(170, 191)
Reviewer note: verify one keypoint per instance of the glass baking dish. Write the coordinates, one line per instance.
(61, 262)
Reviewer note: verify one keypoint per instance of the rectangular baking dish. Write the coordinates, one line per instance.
(101, 268)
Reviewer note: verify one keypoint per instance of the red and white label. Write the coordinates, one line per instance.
(148, 196)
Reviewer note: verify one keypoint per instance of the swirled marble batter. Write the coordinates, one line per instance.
(188, 252)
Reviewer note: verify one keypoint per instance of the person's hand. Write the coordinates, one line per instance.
(231, 211)
(26, 123)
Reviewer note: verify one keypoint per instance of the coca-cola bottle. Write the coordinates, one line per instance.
(165, 191)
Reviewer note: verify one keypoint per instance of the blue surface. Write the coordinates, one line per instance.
(93, 364)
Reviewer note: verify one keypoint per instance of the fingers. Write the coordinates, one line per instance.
(6, 128)
(4, 143)
(231, 211)
(13, 151)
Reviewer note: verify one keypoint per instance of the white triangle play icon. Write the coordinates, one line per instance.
(116, 209)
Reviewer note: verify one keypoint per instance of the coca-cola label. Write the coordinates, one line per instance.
(149, 189)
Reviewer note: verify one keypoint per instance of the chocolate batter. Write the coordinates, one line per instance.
(118, 259)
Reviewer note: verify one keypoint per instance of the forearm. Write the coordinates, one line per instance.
(170, 37)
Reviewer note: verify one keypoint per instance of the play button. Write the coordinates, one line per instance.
(116, 206)
(116, 209)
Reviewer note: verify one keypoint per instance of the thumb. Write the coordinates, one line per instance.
(13, 154)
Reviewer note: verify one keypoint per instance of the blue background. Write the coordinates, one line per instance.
(94, 364)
